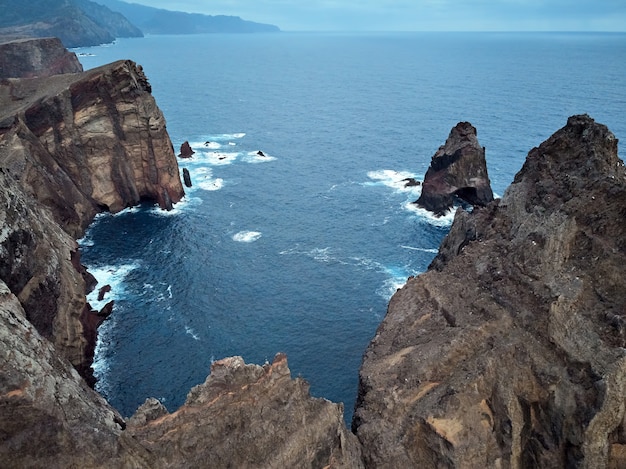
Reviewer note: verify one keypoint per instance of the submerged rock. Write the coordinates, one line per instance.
(458, 170)
(509, 351)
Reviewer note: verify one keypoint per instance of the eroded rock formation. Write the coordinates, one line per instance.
(70, 146)
(509, 351)
(247, 416)
(28, 58)
(458, 170)
(185, 150)
(81, 143)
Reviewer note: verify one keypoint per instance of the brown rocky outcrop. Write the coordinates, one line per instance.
(458, 170)
(242, 416)
(70, 146)
(247, 416)
(509, 351)
(185, 150)
(81, 143)
(49, 417)
(28, 58)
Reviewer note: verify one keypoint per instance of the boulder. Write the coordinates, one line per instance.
(458, 170)
(103, 291)
(509, 351)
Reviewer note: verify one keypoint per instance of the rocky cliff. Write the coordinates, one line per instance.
(509, 351)
(458, 170)
(243, 416)
(28, 58)
(70, 146)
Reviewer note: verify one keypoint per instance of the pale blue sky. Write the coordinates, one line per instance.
(416, 15)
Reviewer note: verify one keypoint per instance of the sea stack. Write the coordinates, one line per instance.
(458, 170)
(510, 350)
(185, 150)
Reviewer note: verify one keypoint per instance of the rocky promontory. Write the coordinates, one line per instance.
(72, 145)
(458, 170)
(510, 350)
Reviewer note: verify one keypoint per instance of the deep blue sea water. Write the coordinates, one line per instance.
(299, 251)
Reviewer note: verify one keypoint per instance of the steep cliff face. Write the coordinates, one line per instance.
(28, 58)
(36, 263)
(77, 144)
(85, 142)
(509, 351)
(50, 418)
(458, 170)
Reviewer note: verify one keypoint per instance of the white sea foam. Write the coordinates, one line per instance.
(203, 178)
(443, 221)
(192, 333)
(395, 179)
(112, 275)
(255, 157)
(246, 236)
(206, 145)
(429, 250)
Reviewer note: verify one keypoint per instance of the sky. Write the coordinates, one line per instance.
(416, 15)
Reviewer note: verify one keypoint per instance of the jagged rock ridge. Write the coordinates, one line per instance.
(509, 351)
(458, 170)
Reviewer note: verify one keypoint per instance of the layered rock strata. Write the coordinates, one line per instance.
(458, 170)
(71, 146)
(28, 58)
(509, 351)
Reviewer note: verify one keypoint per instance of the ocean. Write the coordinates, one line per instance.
(299, 249)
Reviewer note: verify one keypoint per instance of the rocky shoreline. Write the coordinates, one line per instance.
(507, 352)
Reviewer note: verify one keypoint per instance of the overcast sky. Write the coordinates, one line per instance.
(416, 15)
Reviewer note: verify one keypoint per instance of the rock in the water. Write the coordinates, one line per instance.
(458, 169)
(411, 182)
(185, 150)
(103, 291)
(28, 58)
(186, 177)
(510, 350)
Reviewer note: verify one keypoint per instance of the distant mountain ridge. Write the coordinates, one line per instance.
(80, 23)
(158, 21)
(75, 22)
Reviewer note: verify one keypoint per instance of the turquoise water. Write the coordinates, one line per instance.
(299, 251)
